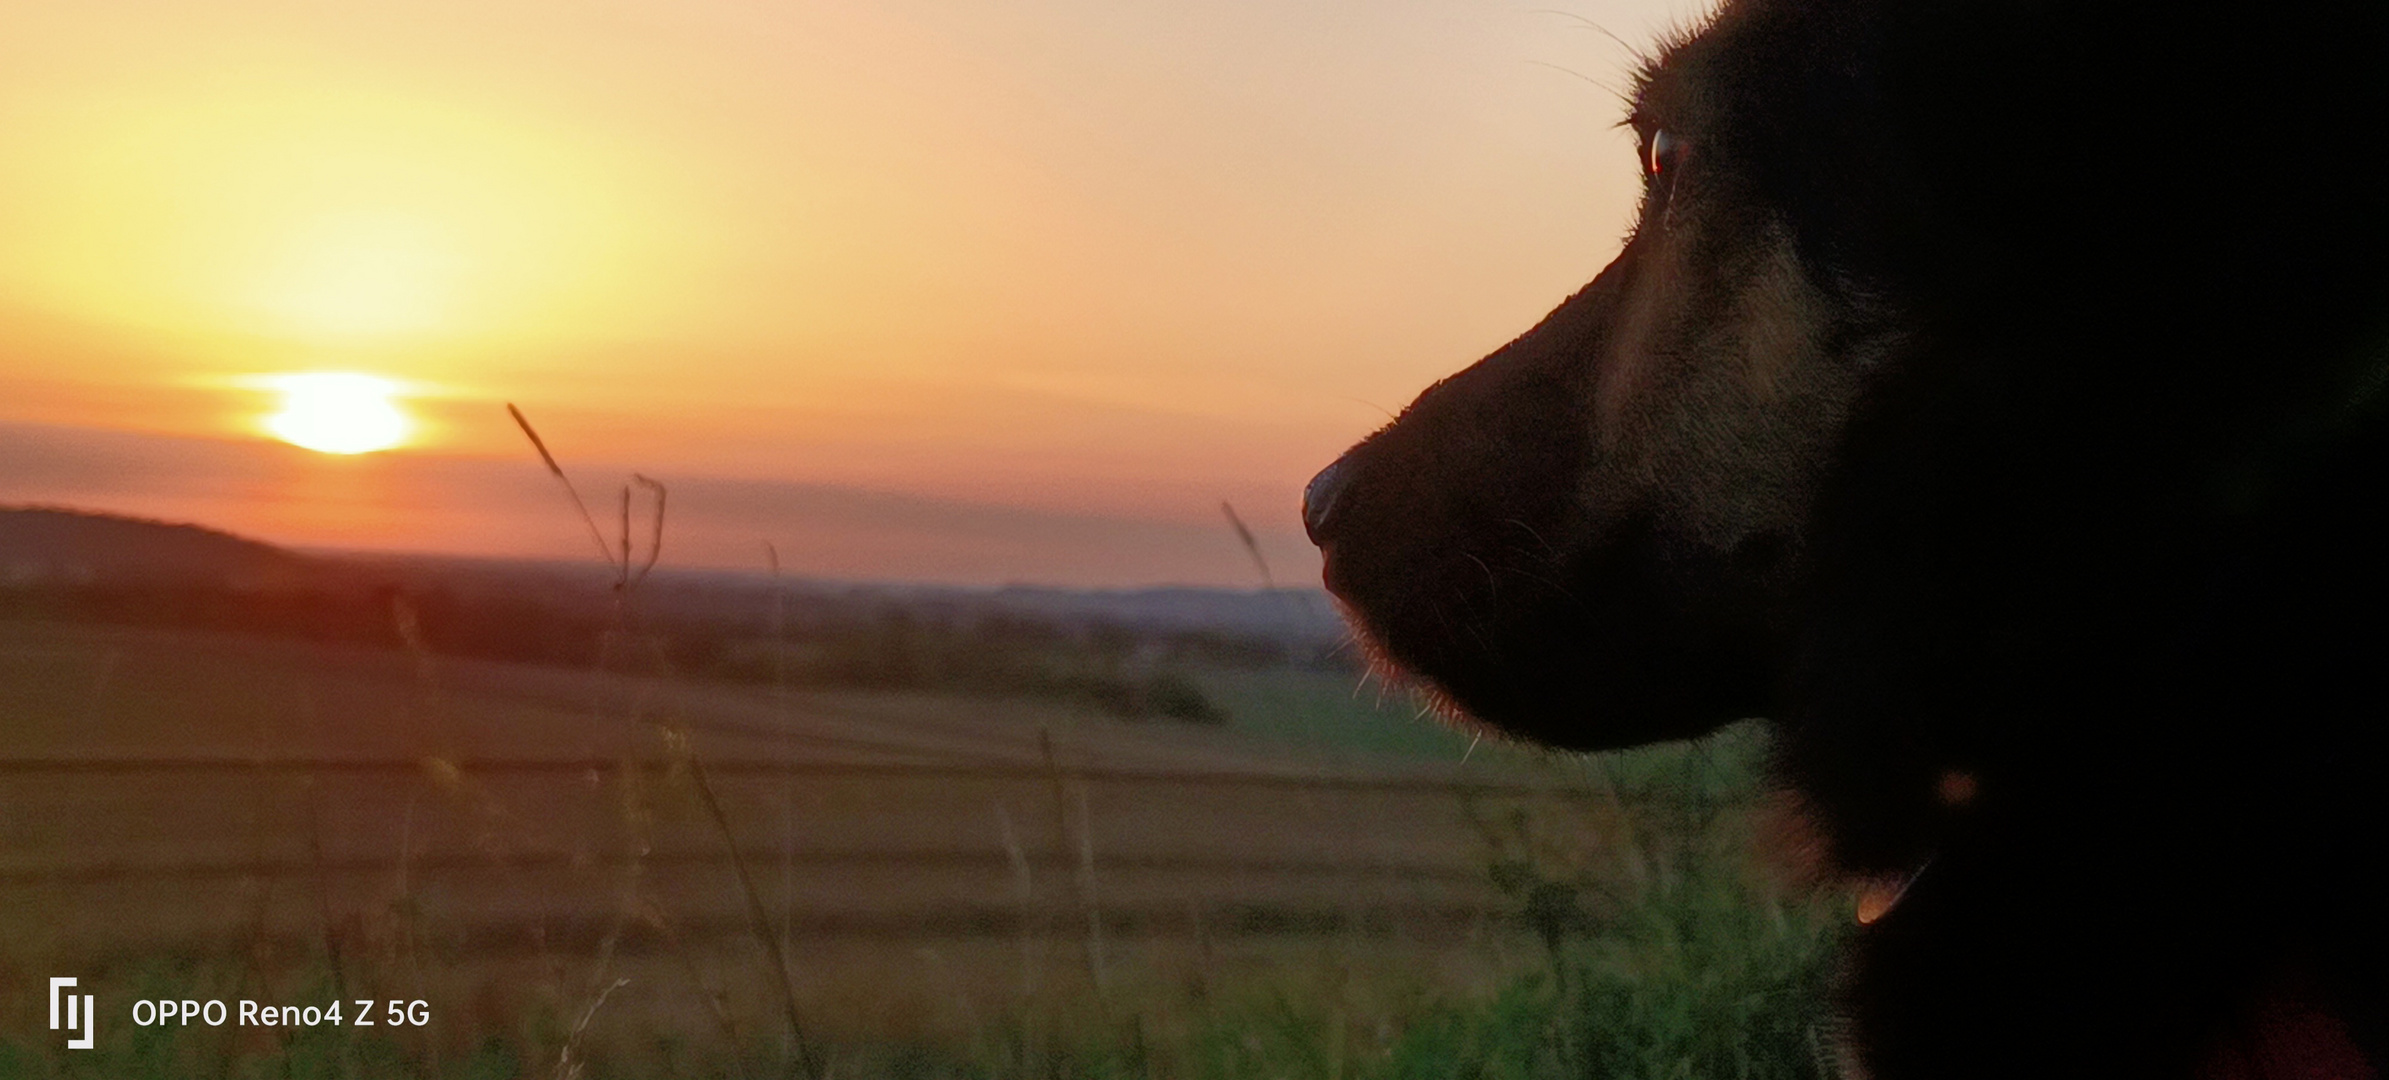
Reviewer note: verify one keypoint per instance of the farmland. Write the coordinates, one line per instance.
(638, 872)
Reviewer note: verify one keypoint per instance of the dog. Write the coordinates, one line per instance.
(1993, 395)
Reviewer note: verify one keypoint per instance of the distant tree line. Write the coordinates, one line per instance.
(803, 641)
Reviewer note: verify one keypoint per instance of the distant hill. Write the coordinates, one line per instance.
(1134, 654)
(48, 546)
(51, 546)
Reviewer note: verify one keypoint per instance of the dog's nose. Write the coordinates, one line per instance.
(1319, 498)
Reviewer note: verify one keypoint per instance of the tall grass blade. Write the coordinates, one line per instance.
(1252, 547)
(604, 551)
(655, 537)
(758, 918)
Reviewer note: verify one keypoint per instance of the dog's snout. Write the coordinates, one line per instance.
(1319, 498)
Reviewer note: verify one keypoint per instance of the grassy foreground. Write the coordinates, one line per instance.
(1636, 943)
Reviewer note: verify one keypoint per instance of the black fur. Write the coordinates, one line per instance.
(1992, 392)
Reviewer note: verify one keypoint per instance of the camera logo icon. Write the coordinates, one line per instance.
(83, 1016)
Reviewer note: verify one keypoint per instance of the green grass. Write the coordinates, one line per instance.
(1670, 953)
(1330, 713)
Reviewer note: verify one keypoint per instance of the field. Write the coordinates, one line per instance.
(596, 872)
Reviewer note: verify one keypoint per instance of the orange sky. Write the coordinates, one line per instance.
(1006, 291)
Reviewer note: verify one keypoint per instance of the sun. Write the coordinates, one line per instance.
(338, 412)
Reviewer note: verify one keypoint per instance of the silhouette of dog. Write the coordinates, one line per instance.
(1991, 395)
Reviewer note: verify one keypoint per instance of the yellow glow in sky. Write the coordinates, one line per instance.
(279, 199)
(338, 412)
(1075, 256)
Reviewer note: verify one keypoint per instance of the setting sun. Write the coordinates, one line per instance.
(1015, 267)
(338, 412)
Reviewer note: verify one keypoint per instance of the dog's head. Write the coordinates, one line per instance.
(1602, 534)
(1587, 536)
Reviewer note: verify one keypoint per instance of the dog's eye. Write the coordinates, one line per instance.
(1663, 155)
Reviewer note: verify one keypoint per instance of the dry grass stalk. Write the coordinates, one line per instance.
(761, 922)
(604, 551)
(1086, 889)
(566, 1068)
(655, 537)
(1080, 900)
(716, 1000)
(625, 581)
(1252, 547)
(1025, 890)
(779, 633)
